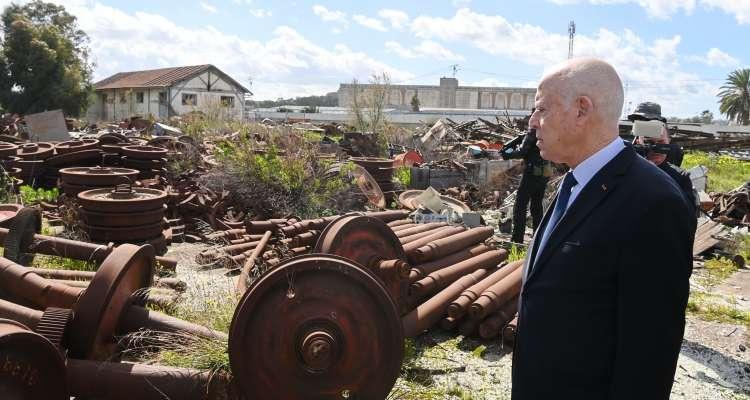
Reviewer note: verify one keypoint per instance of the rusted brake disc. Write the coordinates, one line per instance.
(365, 240)
(317, 326)
(31, 367)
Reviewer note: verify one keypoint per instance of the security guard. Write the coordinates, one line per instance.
(649, 111)
(536, 173)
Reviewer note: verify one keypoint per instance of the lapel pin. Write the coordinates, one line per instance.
(604, 188)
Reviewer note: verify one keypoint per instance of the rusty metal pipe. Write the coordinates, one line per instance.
(239, 248)
(444, 277)
(497, 295)
(420, 271)
(388, 216)
(411, 246)
(458, 308)
(19, 313)
(419, 229)
(250, 262)
(399, 222)
(400, 228)
(445, 246)
(54, 246)
(492, 325)
(135, 318)
(428, 313)
(125, 381)
(231, 233)
(306, 239)
(21, 283)
(72, 275)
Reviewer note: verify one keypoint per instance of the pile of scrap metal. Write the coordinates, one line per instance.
(731, 208)
(446, 134)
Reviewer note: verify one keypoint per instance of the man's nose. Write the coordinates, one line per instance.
(534, 121)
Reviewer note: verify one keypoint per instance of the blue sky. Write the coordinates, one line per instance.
(674, 52)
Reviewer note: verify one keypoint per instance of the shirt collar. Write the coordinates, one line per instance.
(590, 166)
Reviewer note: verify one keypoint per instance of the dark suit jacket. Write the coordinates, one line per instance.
(602, 312)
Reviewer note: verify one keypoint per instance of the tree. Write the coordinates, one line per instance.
(706, 117)
(415, 103)
(43, 60)
(734, 97)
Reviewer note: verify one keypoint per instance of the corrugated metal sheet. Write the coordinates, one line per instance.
(162, 77)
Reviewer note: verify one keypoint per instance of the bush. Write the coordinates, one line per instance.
(724, 172)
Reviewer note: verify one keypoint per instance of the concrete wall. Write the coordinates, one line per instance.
(447, 95)
(208, 88)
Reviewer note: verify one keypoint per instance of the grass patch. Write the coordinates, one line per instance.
(403, 176)
(724, 172)
(197, 353)
(55, 262)
(29, 195)
(716, 271)
(706, 308)
(516, 253)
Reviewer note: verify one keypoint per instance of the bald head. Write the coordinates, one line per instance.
(578, 106)
(593, 78)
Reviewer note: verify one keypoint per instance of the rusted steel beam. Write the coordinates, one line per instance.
(497, 295)
(445, 246)
(419, 229)
(55, 246)
(444, 277)
(491, 327)
(250, 262)
(125, 381)
(428, 313)
(411, 246)
(420, 271)
(460, 306)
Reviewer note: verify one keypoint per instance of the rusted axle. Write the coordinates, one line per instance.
(443, 277)
(491, 327)
(430, 312)
(459, 307)
(420, 271)
(72, 275)
(54, 246)
(497, 295)
(445, 246)
(412, 245)
(250, 262)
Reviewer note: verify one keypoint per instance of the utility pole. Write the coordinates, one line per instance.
(571, 36)
(454, 69)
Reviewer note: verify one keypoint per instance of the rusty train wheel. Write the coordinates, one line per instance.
(32, 367)
(127, 269)
(317, 326)
(365, 240)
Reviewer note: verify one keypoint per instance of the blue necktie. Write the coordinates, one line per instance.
(560, 206)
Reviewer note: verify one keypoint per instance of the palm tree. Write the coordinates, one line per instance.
(735, 96)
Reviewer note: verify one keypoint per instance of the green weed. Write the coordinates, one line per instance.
(724, 172)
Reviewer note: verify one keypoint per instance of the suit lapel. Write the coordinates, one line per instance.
(597, 189)
(534, 245)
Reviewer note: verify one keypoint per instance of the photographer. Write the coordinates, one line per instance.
(536, 173)
(657, 149)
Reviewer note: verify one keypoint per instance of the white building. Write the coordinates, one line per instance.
(165, 92)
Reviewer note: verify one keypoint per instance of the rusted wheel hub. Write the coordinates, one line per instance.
(72, 146)
(317, 326)
(32, 367)
(7, 149)
(35, 151)
(131, 200)
(144, 152)
(365, 240)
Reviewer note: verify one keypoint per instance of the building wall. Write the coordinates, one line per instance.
(123, 103)
(447, 95)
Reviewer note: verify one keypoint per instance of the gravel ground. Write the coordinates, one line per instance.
(714, 362)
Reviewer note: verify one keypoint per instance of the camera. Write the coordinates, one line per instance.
(644, 149)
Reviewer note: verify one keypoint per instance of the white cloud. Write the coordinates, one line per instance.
(260, 12)
(651, 70)
(329, 15)
(368, 22)
(716, 58)
(286, 65)
(397, 18)
(740, 9)
(461, 3)
(209, 8)
(426, 49)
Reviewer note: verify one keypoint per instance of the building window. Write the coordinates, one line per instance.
(227, 101)
(139, 97)
(189, 99)
(123, 98)
(162, 97)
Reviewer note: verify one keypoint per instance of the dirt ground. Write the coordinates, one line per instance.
(714, 362)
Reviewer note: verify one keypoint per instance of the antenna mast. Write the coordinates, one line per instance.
(571, 36)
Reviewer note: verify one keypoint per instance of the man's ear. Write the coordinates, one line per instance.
(585, 107)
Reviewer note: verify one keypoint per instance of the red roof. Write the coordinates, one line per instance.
(162, 77)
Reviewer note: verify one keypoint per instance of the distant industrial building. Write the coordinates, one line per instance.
(165, 92)
(448, 95)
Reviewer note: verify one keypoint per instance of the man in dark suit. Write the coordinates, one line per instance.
(602, 309)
